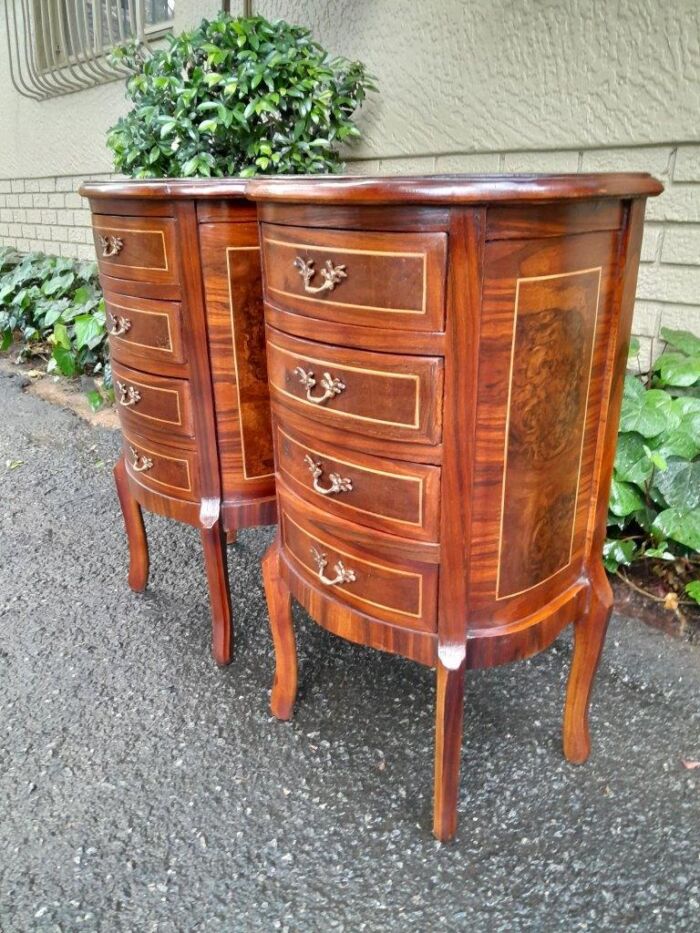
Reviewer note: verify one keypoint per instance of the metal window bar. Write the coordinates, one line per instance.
(58, 47)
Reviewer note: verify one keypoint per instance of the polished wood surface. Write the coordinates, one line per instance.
(516, 389)
(184, 314)
(391, 280)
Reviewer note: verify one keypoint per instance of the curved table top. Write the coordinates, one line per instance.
(396, 189)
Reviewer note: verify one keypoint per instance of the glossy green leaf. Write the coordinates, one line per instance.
(681, 525)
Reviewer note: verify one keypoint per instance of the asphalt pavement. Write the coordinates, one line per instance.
(144, 789)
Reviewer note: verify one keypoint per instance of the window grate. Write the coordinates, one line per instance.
(58, 47)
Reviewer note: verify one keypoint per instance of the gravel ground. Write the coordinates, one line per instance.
(142, 789)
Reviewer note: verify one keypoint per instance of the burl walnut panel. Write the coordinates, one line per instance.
(180, 267)
(520, 388)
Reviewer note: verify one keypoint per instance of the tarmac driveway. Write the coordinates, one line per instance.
(142, 789)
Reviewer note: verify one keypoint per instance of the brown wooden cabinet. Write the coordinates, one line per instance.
(445, 359)
(180, 267)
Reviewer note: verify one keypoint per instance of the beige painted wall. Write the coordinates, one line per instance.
(466, 85)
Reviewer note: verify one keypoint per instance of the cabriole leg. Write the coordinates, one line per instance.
(449, 715)
(279, 607)
(589, 635)
(214, 545)
(135, 530)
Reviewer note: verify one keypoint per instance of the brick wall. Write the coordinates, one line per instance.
(48, 214)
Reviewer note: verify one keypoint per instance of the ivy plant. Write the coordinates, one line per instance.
(236, 96)
(654, 509)
(53, 309)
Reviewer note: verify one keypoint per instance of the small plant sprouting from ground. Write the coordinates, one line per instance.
(53, 309)
(654, 510)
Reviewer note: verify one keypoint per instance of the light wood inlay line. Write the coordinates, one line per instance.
(365, 469)
(361, 252)
(368, 563)
(343, 367)
(233, 249)
(135, 343)
(161, 456)
(152, 388)
(124, 265)
(540, 278)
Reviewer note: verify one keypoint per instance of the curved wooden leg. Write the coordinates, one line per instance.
(449, 715)
(231, 536)
(279, 607)
(214, 545)
(135, 530)
(589, 635)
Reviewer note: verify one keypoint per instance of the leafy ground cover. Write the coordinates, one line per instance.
(52, 309)
(654, 510)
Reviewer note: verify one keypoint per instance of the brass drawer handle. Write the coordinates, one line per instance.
(330, 384)
(117, 325)
(111, 245)
(341, 574)
(331, 275)
(128, 395)
(338, 482)
(139, 464)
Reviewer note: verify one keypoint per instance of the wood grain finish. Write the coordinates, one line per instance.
(146, 334)
(389, 495)
(138, 248)
(153, 404)
(379, 576)
(523, 390)
(233, 291)
(181, 279)
(383, 395)
(391, 280)
(173, 471)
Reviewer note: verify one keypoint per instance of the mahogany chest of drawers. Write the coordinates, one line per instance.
(445, 361)
(179, 264)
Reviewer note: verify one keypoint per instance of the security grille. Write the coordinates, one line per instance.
(58, 47)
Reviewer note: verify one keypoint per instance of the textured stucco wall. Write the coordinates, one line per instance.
(466, 85)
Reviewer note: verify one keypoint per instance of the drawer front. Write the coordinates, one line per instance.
(171, 471)
(387, 396)
(358, 573)
(144, 333)
(152, 403)
(396, 497)
(394, 280)
(138, 248)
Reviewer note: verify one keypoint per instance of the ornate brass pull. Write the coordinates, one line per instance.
(330, 384)
(128, 395)
(117, 325)
(139, 464)
(338, 483)
(111, 245)
(341, 574)
(331, 275)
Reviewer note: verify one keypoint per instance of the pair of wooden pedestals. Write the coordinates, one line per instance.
(419, 378)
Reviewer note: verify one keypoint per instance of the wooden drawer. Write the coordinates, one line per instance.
(172, 471)
(144, 333)
(390, 280)
(366, 570)
(380, 394)
(392, 496)
(138, 248)
(152, 403)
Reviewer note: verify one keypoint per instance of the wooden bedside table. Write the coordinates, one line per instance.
(179, 265)
(446, 358)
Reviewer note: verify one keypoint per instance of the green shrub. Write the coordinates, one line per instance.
(54, 309)
(236, 97)
(654, 510)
